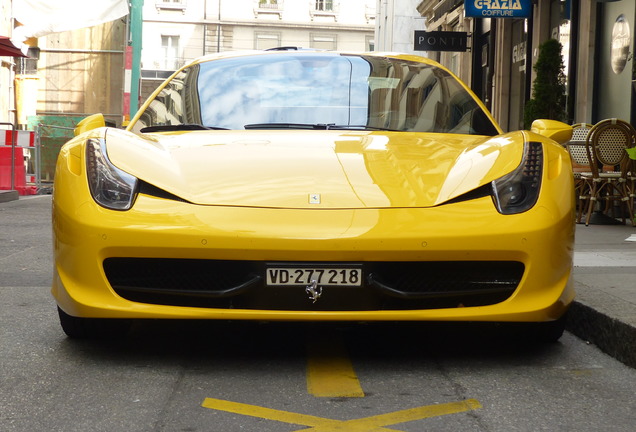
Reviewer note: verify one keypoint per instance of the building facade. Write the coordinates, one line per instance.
(395, 23)
(177, 31)
(597, 39)
(7, 69)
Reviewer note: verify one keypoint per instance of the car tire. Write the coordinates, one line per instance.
(89, 328)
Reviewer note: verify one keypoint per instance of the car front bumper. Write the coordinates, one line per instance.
(471, 231)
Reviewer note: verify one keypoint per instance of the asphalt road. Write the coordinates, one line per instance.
(219, 376)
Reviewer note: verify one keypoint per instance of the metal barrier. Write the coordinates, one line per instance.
(19, 150)
(12, 163)
(18, 171)
(22, 162)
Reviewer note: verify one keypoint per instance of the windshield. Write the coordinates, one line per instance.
(317, 89)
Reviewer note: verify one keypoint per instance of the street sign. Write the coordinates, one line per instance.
(498, 8)
(441, 41)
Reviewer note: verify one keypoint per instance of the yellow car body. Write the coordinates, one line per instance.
(365, 203)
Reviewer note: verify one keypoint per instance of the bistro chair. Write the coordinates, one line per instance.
(631, 180)
(610, 178)
(580, 163)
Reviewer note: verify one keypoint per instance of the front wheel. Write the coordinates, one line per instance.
(88, 328)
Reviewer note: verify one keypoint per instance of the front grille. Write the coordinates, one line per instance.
(241, 285)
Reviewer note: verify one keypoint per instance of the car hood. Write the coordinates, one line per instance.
(315, 169)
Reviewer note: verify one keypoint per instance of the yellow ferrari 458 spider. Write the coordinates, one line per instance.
(304, 185)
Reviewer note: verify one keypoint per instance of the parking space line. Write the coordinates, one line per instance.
(267, 413)
(319, 424)
(407, 415)
(329, 370)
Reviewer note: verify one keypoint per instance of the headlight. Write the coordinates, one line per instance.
(110, 187)
(519, 190)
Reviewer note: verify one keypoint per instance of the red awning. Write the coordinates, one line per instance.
(8, 49)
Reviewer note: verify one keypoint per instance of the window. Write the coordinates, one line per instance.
(170, 51)
(326, 42)
(170, 4)
(266, 40)
(28, 65)
(324, 9)
(370, 43)
(324, 5)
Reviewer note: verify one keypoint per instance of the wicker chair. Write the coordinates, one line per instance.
(610, 179)
(580, 163)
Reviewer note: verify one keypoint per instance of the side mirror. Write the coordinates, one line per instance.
(89, 123)
(556, 130)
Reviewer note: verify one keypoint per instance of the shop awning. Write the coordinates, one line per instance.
(8, 49)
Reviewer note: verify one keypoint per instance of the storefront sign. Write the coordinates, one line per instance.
(498, 8)
(440, 41)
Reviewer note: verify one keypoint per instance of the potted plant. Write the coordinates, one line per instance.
(548, 90)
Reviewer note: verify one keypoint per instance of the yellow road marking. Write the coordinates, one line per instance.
(376, 422)
(266, 413)
(367, 424)
(329, 370)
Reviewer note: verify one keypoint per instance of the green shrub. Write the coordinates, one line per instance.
(548, 90)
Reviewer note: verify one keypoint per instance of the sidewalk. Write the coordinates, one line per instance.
(604, 312)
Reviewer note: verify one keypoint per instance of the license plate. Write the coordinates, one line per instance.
(324, 276)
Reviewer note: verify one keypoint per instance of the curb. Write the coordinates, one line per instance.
(614, 337)
(8, 195)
